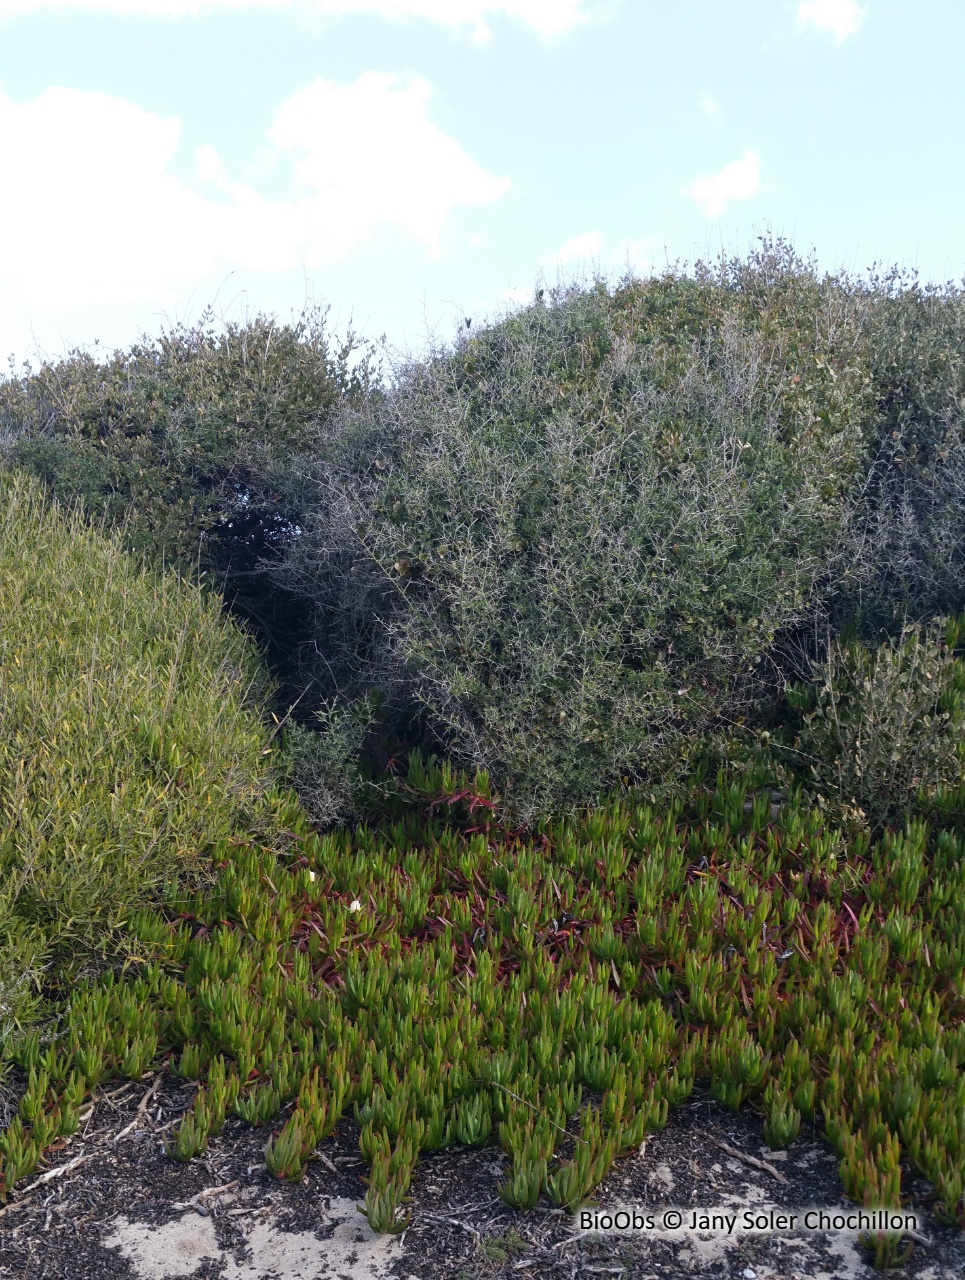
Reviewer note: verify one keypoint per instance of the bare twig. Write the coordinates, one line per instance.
(751, 1160)
(116, 1093)
(61, 1169)
(216, 1191)
(142, 1106)
(455, 1222)
(208, 1193)
(49, 1176)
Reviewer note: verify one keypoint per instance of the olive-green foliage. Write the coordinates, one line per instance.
(572, 537)
(127, 745)
(446, 981)
(882, 733)
(185, 441)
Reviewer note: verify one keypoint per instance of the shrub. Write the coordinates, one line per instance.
(128, 748)
(323, 760)
(882, 733)
(906, 551)
(570, 538)
(570, 548)
(184, 442)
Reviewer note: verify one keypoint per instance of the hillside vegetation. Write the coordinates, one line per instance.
(621, 648)
(183, 441)
(578, 546)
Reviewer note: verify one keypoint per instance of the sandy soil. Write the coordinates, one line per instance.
(111, 1205)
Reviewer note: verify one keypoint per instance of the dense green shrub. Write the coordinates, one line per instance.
(572, 538)
(185, 442)
(882, 733)
(128, 748)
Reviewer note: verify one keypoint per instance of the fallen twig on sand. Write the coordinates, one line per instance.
(142, 1106)
(751, 1160)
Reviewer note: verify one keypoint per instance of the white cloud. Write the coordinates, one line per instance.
(578, 249)
(737, 181)
(548, 17)
(841, 18)
(96, 216)
(366, 154)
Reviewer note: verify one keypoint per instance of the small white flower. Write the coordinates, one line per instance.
(355, 905)
(311, 875)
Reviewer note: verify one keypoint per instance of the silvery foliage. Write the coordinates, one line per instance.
(570, 539)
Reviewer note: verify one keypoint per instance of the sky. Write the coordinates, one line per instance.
(416, 163)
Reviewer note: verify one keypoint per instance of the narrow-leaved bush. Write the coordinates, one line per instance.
(128, 744)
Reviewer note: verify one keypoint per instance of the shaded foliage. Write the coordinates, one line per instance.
(909, 552)
(880, 735)
(186, 441)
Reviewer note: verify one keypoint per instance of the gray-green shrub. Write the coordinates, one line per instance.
(571, 538)
(531, 483)
(907, 546)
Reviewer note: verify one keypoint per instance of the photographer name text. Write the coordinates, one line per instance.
(770, 1221)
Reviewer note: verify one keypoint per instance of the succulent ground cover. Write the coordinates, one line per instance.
(448, 981)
